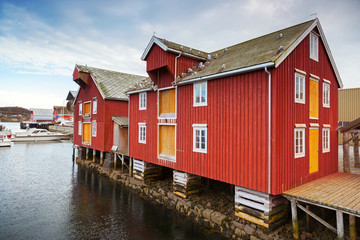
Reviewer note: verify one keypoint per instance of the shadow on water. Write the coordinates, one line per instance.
(107, 210)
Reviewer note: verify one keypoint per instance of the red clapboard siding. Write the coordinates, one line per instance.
(106, 109)
(287, 171)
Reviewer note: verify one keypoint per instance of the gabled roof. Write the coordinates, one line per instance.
(62, 110)
(71, 95)
(42, 112)
(122, 121)
(266, 51)
(111, 85)
(145, 84)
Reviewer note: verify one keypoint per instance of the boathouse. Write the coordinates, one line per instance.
(41, 115)
(261, 115)
(61, 113)
(100, 98)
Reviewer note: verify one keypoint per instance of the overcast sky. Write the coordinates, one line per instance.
(42, 40)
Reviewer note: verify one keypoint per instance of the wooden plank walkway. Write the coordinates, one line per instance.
(338, 191)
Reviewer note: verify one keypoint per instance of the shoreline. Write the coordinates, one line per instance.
(228, 225)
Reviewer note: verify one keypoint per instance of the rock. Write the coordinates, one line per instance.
(208, 205)
(198, 210)
(238, 225)
(207, 213)
(240, 232)
(162, 191)
(254, 238)
(262, 235)
(217, 218)
(249, 230)
(253, 225)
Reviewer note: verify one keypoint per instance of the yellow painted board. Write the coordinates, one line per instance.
(167, 140)
(314, 99)
(167, 101)
(87, 108)
(86, 132)
(313, 150)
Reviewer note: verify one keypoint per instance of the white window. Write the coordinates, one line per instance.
(200, 94)
(142, 133)
(93, 130)
(80, 108)
(326, 139)
(314, 47)
(80, 128)
(200, 138)
(94, 106)
(299, 142)
(299, 88)
(142, 101)
(326, 95)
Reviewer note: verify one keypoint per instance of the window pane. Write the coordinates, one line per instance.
(203, 145)
(203, 93)
(197, 93)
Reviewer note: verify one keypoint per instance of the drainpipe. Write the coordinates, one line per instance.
(269, 131)
(176, 66)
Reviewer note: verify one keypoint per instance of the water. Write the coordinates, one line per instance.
(44, 196)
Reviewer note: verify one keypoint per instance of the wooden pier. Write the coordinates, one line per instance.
(339, 192)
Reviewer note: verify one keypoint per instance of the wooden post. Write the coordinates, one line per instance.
(356, 153)
(101, 158)
(340, 225)
(130, 167)
(87, 153)
(73, 156)
(352, 226)
(122, 162)
(346, 155)
(308, 226)
(295, 222)
(115, 160)
(94, 155)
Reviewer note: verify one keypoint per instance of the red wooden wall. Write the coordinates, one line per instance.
(106, 109)
(287, 171)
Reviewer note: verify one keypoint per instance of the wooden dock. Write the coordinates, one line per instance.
(338, 191)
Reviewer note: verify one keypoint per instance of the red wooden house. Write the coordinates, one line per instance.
(100, 98)
(41, 115)
(61, 113)
(261, 115)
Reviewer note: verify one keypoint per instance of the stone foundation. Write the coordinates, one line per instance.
(230, 227)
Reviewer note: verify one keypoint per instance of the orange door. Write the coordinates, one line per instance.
(167, 101)
(87, 133)
(167, 140)
(314, 99)
(313, 150)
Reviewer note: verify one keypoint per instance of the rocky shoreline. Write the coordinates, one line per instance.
(205, 212)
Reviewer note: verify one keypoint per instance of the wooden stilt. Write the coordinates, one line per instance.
(101, 158)
(87, 153)
(73, 156)
(352, 226)
(185, 184)
(295, 222)
(94, 156)
(340, 225)
(308, 226)
(130, 167)
(356, 153)
(122, 162)
(346, 155)
(115, 160)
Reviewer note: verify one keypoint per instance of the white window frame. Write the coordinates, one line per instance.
(93, 128)
(142, 133)
(314, 47)
(301, 78)
(199, 127)
(94, 106)
(326, 140)
(302, 153)
(142, 101)
(326, 95)
(79, 128)
(80, 108)
(201, 85)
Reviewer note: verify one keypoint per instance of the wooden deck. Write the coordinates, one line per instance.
(338, 191)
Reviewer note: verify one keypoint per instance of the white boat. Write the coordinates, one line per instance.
(5, 141)
(34, 135)
(5, 131)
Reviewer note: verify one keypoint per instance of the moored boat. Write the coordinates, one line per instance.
(5, 131)
(5, 141)
(34, 135)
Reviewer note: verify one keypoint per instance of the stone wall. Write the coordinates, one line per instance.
(229, 226)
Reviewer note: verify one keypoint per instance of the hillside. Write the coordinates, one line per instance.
(14, 114)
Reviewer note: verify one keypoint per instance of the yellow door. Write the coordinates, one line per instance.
(167, 140)
(313, 150)
(87, 132)
(314, 99)
(167, 101)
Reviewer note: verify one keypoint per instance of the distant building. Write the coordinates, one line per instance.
(61, 113)
(41, 115)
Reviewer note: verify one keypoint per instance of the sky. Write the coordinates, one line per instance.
(42, 40)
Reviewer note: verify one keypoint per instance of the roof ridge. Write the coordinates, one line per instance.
(86, 66)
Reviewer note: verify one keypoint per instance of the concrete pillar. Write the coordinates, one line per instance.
(130, 167)
(340, 225)
(115, 159)
(346, 153)
(94, 156)
(101, 158)
(87, 153)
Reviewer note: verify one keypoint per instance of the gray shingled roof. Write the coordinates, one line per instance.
(122, 121)
(112, 85)
(264, 49)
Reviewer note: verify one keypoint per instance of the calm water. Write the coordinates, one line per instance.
(43, 196)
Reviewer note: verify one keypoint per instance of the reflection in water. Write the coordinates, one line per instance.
(44, 196)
